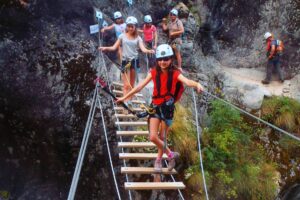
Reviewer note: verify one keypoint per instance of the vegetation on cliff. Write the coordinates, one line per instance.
(236, 165)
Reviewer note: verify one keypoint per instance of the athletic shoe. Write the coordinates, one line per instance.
(172, 161)
(265, 82)
(157, 165)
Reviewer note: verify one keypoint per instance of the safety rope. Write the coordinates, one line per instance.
(84, 143)
(253, 116)
(114, 106)
(180, 194)
(199, 132)
(108, 148)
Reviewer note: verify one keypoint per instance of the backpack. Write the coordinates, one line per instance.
(183, 35)
(279, 46)
(179, 86)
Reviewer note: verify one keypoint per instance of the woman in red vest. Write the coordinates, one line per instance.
(165, 78)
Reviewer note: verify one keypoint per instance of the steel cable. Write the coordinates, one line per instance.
(80, 158)
(199, 131)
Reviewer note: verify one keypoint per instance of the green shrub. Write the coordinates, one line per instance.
(284, 112)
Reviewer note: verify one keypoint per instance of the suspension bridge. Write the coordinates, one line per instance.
(128, 125)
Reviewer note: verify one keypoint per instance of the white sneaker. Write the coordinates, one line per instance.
(157, 165)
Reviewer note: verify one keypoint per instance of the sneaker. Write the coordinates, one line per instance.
(265, 82)
(157, 165)
(172, 161)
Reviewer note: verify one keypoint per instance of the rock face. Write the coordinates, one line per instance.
(237, 28)
(232, 33)
(47, 59)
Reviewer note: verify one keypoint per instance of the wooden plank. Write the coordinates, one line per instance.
(132, 133)
(138, 123)
(117, 84)
(134, 109)
(135, 144)
(140, 156)
(119, 92)
(154, 185)
(145, 170)
(125, 116)
(138, 101)
(122, 116)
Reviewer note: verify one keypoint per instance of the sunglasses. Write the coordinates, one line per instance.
(164, 59)
(171, 14)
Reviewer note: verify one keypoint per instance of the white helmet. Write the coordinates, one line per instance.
(267, 35)
(163, 50)
(174, 12)
(147, 19)
(131, 20)
(117, 15)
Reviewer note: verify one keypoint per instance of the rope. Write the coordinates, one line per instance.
(114, 106)
(84, 142)
(199, 131)
(180, 194)
(253, 116)
(108, 148)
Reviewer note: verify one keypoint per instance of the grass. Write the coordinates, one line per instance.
(284, 112)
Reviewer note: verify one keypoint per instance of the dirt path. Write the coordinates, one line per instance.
(254, 76)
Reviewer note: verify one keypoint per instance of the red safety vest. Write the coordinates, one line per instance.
(166, 86)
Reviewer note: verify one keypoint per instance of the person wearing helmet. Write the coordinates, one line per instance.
(150, 37)
(176, 29)
(150, 33)
(165, 78)
(130, 42)
(119, 27)
(273, 54)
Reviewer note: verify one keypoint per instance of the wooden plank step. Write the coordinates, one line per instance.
(125, 116)
(135, 144)
(132, 133)
(131, 123)
(118, 84)
(134, 109)
(145, 170)
(138, 101)
(154, 185)
(140, 156)
(119, 92)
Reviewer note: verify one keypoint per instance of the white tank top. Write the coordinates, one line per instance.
(120, 28)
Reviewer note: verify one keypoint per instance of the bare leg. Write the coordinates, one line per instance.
(153, 128)
(179, 59)
(132, 77)
(156, 178)
(126, 87)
